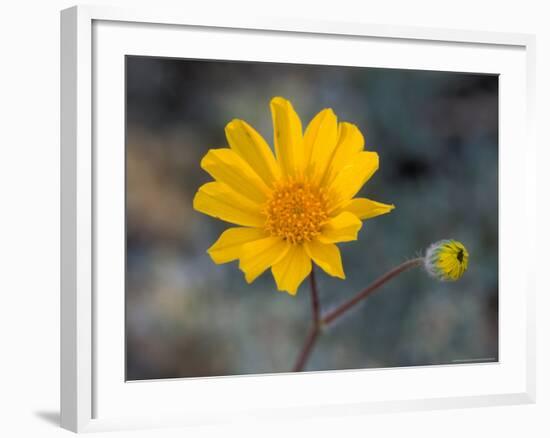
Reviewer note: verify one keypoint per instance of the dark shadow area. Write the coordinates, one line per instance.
(51, 417)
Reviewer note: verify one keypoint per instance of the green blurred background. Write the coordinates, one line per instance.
(437, 137)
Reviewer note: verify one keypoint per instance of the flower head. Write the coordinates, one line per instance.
(291, 207)
(446, 260)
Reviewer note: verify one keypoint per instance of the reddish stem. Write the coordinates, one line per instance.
(315, 306)
(330, 317)
(306, 349)
(343, 308)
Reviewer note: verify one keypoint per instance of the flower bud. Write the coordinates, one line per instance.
(446, 260)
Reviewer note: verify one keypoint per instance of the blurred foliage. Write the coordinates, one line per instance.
(437, 137)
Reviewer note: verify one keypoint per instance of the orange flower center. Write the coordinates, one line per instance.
(296, 211)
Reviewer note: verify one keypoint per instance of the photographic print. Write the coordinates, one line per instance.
(288, 217)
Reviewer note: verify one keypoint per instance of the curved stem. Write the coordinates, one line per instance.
(315, 329)
(315, 306)
(306, 349)
(343, 308)
(330, 317)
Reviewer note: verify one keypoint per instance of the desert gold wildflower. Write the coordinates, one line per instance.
(291, 207)
(446, 260)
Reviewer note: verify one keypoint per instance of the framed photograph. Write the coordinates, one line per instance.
(268, 218)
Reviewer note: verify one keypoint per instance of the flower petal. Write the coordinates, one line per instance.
(220, 201)
(226, 166)
(229, 245)
(365, 208)
(287, 133)
(292, 269)
(252, 148)
(352, 177)
(320, 141)
(342, 228)
(259, 255)
(327, 256)
(350, 143)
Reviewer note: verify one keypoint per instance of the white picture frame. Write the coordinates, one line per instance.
(93, 397)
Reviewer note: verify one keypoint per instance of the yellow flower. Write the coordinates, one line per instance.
(446, 260)
(293, 207)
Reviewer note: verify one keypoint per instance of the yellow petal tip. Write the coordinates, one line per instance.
(278, 100)
(195, 200)
(233, 124)
(292, 293)
(215, 258)
(203, 163)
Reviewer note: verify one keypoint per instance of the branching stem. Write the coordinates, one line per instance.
(320, 322)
